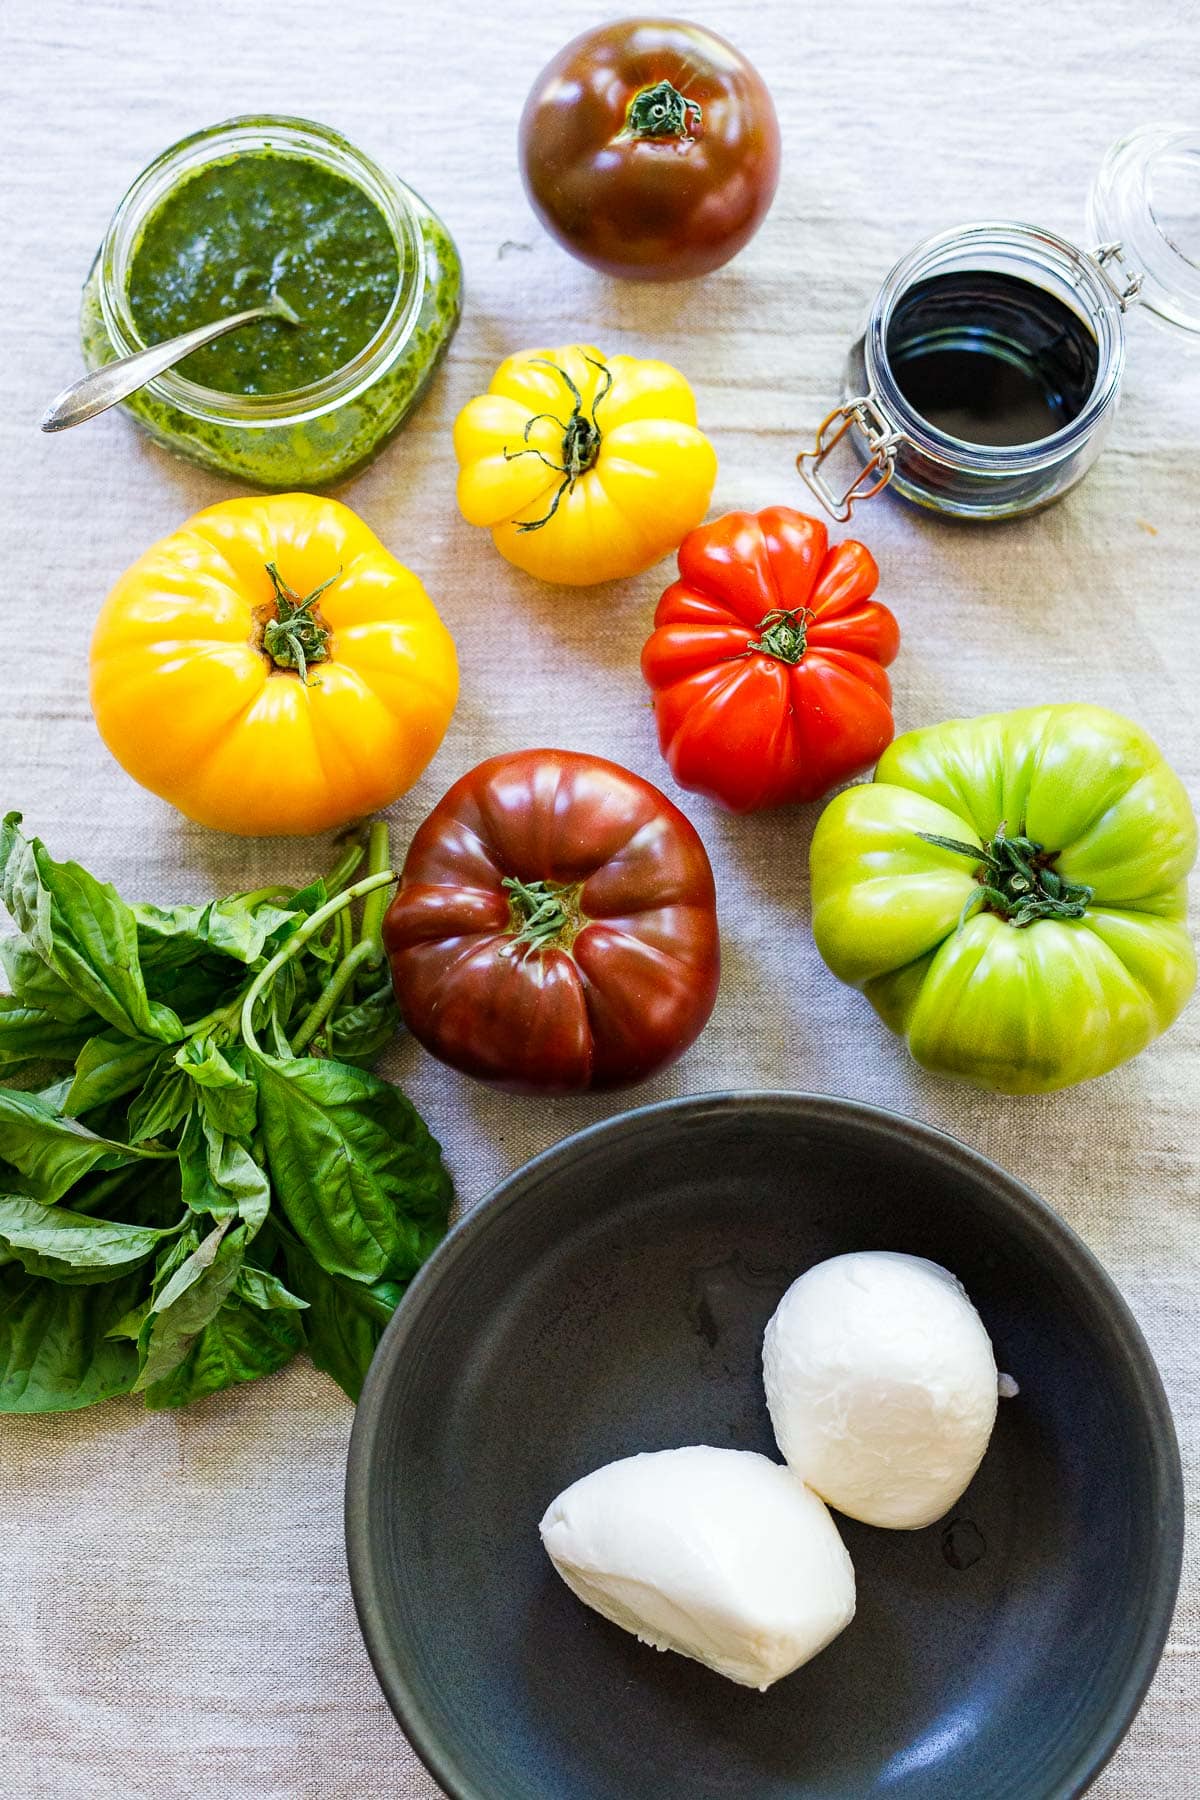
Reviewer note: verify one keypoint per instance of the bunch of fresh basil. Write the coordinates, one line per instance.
(202, 1196)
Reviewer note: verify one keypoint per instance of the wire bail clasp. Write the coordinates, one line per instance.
(875, 473)
(1102, 256)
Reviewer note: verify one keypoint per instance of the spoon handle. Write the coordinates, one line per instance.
(115, 381)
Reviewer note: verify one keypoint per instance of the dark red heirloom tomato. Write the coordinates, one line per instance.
(767, 661)
(650, 149)
(555, 927)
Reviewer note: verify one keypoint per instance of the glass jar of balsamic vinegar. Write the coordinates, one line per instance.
(987, 375)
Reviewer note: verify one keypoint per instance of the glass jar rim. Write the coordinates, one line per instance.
(1048, 249)
(286, 135)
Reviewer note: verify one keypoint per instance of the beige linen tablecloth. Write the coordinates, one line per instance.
(176, 1615)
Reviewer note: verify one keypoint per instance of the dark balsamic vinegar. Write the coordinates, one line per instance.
(991, 359)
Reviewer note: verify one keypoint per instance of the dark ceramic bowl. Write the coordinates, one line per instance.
(610, 1297)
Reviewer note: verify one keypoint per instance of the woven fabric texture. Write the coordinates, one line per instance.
(173, 1595)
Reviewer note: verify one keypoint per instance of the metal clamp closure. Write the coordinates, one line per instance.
(874, 474)
(1113, 253)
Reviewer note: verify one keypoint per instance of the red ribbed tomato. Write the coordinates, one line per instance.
(767, 661)
(555, 927)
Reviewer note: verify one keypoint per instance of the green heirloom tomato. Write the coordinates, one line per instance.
(1010, 894)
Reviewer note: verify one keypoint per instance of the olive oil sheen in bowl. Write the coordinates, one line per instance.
(264, 205)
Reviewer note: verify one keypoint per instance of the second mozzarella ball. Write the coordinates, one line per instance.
(881, 1385)
(721, 1555)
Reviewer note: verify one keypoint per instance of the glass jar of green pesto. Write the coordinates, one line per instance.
(263, 205)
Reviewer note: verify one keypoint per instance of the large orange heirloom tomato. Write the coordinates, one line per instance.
(271, 669)
(584, 467)
(768, 661)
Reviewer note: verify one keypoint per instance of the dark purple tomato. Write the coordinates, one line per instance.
(650, 149)
(555, 927)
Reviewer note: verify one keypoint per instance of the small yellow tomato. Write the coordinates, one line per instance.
(270, 669)
(584, 467)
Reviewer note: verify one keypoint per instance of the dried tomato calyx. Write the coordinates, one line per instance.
(783, 635)
(581, 437)
(661, 112)
(1016, 879)
(297, 635)
(543, 915)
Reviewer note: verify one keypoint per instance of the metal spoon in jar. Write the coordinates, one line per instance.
(115, 381)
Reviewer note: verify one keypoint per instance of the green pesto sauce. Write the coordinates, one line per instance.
(315, 450)
(260, 223)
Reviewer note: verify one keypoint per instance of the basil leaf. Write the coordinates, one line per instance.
(83, 931)
(55, 1355)
(50, 1151)
(354, 1167)
(195, 989)
(229, 1097)
(163, 1104)
(191, 1298)
(169, 936)
(309, 899)
(175, 1274)
(53, 1095)
(144, 1300)
(173, 936)
(141, 1193)
(289, 999)
(30, 1034)
(129, 1325)
(201, 1193)
(279, 922)
(345, 1319)
(237, 1174)
(359, 1033)
(180, 1252)
(239, 1344)
(258, 1287)
(108, 1067)
(38, 986)
(220, 1176)
(70, 1246)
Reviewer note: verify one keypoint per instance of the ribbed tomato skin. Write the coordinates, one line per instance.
(626, 997)
(652, 208)
(740, 724)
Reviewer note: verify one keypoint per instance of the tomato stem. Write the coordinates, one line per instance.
(661, 112)
(1016, 879)
(296, 636)
(783, 635)
(581, 438)
(543, 915)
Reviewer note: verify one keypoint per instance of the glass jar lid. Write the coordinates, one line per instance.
(1144, 210)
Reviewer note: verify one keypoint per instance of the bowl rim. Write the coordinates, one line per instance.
(439, 1756)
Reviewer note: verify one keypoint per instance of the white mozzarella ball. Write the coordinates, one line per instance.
(881, 1385)
(721, 1555)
